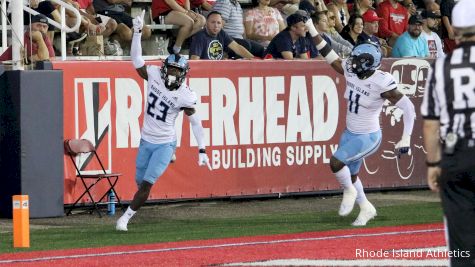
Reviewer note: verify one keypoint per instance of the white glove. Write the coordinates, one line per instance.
(311, 28)
(404, 145)
(138, 22)
(204, 160)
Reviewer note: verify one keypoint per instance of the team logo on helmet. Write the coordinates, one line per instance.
(364, 60)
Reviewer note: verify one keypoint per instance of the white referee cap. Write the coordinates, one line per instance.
(463, 14)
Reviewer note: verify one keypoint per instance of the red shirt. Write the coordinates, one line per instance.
(394, 20)
(159, 7)
(83, 4)
(32, 48)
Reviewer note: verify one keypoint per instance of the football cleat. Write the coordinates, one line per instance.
(348, 202)
(367, 212)
(121, 224)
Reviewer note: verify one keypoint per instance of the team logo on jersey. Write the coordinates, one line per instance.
(92, 114)
(215, 50)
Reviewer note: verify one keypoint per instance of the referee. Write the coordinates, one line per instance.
(448, 109)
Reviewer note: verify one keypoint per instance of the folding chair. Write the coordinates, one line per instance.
(75, 147)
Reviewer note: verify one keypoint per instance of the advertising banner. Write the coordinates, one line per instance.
(271, 127)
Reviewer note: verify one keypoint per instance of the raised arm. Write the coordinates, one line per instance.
(136, 47)
(324, 48)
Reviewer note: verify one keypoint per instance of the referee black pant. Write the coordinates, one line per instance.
(457, 184)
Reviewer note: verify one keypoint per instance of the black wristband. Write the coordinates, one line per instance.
(202, 150)
(433, 164)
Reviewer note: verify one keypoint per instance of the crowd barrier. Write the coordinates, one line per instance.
(270, 126)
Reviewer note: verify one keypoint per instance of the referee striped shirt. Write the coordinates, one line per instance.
(450, 92)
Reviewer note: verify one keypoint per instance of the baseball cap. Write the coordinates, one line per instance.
(463, 14)
(429, 14)
(39, 18)
(370, 16)
(307, 6)
(295, 18)
(414, 19)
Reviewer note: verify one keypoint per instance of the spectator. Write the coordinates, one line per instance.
(370, 29)
(340, 9)
(361, 6)
(211, 42)
(262, 23)
(353, 29)
(448, 35)
(411, 43)
(433, 40)
(37, 43)
(232, 15)
(178, 12)
(286, 7)
(116, 10)
(394, 20)
(320, 21)
(409, 5)
(338, 44)
(103, 25)
(290, 43)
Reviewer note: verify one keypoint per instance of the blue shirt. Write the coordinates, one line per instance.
(406, 46)
(209, 47)
(283, 42)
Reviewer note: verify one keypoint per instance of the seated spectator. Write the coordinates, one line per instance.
(370, 29)
(411, 43)
(411, 8)
(178, 12)
(361, 6)
(394, 20)
(262, 23)
(448, 35)
(116, 10)
(98, 24)
(340, 9)
(286, 7)
(290, 43)
(434, 42)
(320, 21)
(353, 29)
(37, 43)
(341, 46)
(232, 15)
(202, 7)
(212, 42)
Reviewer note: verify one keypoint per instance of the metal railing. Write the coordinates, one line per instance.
(61, 26)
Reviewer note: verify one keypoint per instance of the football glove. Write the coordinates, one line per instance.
(138, 22)
(404, 145)
(204, 160)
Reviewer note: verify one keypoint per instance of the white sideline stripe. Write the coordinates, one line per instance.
(217, 246)
(368, 262)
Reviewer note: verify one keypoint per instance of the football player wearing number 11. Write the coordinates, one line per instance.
(366, 89)
(167, 96)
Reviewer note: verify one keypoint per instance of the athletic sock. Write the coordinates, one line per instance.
(361, 196)
(176, 49)
(343, 176)
(129, 213)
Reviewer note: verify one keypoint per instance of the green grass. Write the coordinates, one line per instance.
(80, 234)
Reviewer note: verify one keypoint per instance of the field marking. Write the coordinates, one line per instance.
(365, 262)
(218, 246)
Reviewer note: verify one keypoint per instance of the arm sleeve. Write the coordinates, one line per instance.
(409, 114)
(136, 51)
(197, 130)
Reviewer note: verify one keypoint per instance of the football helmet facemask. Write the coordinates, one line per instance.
(173, 80)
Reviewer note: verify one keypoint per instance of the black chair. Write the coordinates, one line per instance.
(75, 147)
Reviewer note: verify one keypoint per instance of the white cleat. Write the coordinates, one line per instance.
(348, 202)
(121, 224)
(367, 212)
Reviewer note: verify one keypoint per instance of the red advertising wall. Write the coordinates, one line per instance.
(271, 127)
